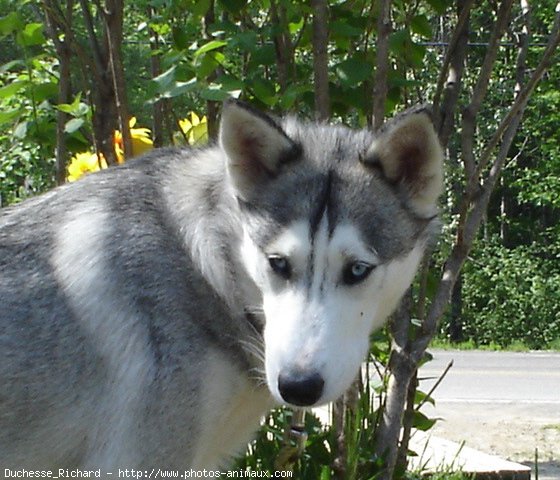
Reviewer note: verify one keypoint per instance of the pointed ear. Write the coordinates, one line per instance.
(410, 156)
(255, 145)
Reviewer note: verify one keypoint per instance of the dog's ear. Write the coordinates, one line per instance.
(255, 145)
(410, 156)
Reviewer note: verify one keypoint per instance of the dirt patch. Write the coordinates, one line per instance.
(510, 431)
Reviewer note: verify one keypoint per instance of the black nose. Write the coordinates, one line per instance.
(300, 388)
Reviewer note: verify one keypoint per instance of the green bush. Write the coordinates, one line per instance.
(512, 295)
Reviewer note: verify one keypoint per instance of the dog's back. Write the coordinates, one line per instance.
(108, 334)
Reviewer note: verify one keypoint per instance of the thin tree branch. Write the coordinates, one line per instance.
(454, 64)
(380, 86)
(113, 17)
(465, 10)
(94, 44)
(155, 70)
(479, 93)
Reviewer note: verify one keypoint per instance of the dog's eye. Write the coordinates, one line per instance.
(280, 266)
(356, 272)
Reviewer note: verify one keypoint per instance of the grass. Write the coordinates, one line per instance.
(515, 346)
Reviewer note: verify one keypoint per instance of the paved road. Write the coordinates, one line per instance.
(502, 403)
(496, 377)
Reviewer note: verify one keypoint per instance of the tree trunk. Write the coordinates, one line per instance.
(456, 321)
(401, 369)
(282, 44)
(321, 59)
(59, 27)
(102, 91)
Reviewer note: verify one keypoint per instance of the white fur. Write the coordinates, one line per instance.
(79, 267)
(324, 327)
(231, 413)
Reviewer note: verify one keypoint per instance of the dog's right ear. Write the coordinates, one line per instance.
(255, 145)
(410, 156)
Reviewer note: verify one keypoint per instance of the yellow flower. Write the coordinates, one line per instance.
(141, 141)
(195, 128)
(83, 163)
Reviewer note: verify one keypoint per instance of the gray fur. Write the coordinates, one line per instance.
(120, 292)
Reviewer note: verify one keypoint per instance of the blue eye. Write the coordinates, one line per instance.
(280, 266)
(356, 272)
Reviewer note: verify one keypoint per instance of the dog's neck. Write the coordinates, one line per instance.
(209, 223)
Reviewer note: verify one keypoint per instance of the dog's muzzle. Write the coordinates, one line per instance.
(300, 388)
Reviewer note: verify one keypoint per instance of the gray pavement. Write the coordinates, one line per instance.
(499, 403)
(496, 377)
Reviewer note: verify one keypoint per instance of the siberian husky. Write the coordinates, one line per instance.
(150, 314)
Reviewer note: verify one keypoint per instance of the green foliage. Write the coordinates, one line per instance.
(28, 87)
(512, 296)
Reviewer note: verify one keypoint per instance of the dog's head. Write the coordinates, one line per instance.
(336, 222)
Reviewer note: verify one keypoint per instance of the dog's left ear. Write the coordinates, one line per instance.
(255, 145)
(410, 156)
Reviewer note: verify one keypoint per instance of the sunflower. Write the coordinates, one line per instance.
(85, 162)
(195, 128)
(141, 141)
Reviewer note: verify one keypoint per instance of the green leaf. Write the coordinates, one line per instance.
(45, 91)
(231, 83)
(292, 93)
(354, 71)
(179, 88)
(398, 41)
(215, 93)
(343, 29)
(77, 108)
(31, 35)
(265, 55)
(233, 5)
(206, 65)
(421, 397)
(181, 38)
(248, 41)
(208, 47)
(163, 80)
(200, 7)
(10, 23)
(401, 45)
(6, 117)
(9, 65)
(421, 26)
(295, 27)
(265, 92)
(422, 422)
(12, 88)
(440, 6)
(73, 125)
